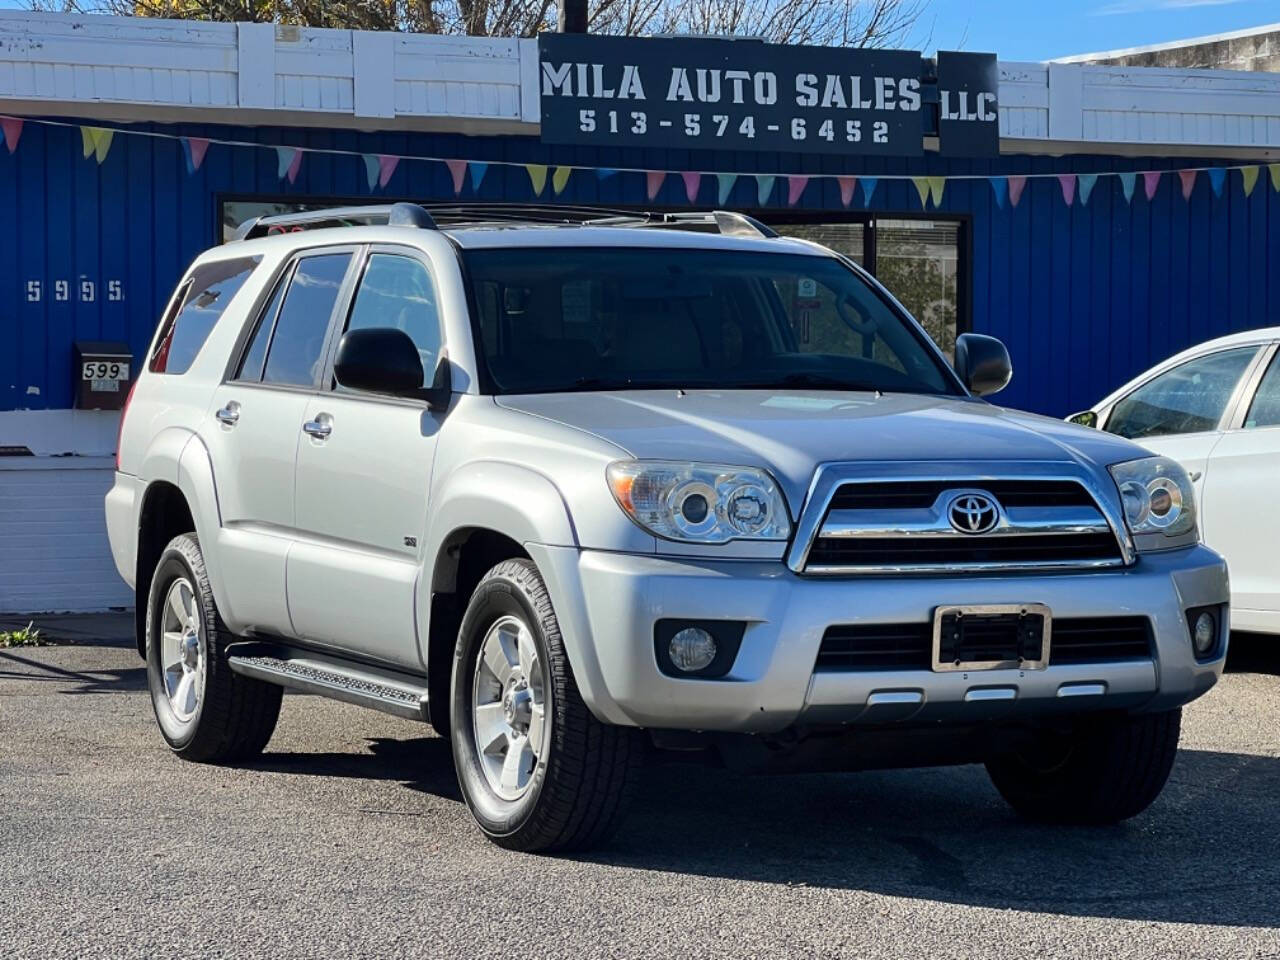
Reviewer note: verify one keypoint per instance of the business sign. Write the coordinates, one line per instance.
(698, 93)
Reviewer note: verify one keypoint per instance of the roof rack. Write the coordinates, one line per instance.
(437, 216)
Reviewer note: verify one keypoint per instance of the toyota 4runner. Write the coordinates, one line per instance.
(572, 486)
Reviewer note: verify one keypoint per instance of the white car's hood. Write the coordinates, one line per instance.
(791, 432)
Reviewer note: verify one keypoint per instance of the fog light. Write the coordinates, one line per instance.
(1204, 633)
(692, 649)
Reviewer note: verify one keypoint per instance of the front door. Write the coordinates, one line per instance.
(252, 434)
(363, 475)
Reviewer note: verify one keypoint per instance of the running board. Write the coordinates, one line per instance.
(400, 695)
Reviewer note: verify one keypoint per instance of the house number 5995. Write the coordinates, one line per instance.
(86, 291)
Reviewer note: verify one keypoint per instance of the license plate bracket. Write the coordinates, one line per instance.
(999, 636)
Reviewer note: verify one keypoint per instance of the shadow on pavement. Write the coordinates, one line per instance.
(18, 666)
(423, 763)
(1254, 653)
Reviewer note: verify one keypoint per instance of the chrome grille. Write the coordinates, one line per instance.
(894, 525)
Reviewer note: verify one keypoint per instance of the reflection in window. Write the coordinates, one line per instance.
(397, 292)
(209, 290)
(297, 344)
(1265, 411)
(1190, 398)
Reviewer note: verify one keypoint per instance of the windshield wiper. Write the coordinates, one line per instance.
(623, 383)
(816, 381)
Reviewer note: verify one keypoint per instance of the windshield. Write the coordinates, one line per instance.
(554, 319)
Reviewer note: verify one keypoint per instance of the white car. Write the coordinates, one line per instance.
(1215, 408)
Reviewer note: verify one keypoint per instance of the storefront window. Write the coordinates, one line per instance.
(917, 261)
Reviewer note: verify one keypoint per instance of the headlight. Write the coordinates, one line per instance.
(1159, 502)
(700, 502)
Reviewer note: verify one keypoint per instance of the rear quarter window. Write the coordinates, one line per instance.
(203, 296)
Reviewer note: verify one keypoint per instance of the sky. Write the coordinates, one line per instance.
(1044, 29)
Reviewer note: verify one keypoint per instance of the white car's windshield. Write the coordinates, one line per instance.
(557, 319)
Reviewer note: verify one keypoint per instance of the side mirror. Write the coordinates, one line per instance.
(385, 360)
(983, 363)
(1086, 418)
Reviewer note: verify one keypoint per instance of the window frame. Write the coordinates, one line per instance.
(328, 383)
(1270, 355)
(284, 275)
(1229, 409)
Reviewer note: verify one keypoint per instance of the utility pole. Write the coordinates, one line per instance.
(571, 16)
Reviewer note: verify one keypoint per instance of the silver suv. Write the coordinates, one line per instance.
(570, 487)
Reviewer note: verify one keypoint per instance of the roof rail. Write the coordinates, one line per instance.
(729, 223)
(393, 214)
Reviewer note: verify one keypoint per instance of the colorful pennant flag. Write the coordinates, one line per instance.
(387, 164)
(653, 182)
(1272, 168)
(12, 127)
(936, 186)
(691, 182)
(370, 169)
(764, 189)
(288, 161)
(1068, 183)
(1249, 178)
(537, 177)
(96, 142)
(795, 188)
(560, 179)
(457, 173)
(724, 186)
(922, 188)
(999, 187)
(193, 151)
(1188, 178)
(478, 170)
(1127, 181)
(1217, 177)
(868, 189)
(847, 185)
(1086, 182)
(1016, 186)
(1150, 182)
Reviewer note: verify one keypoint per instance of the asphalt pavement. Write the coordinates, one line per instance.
(348, 839)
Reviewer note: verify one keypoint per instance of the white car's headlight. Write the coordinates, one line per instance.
(1159, 502)
(700, 502)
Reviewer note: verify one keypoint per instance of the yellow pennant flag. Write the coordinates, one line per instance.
(560, 179)
(87, 140)
(537, 176)
(1250, 177)
(1274, 169)
(935, 189)
(96, 141)
(922, 188)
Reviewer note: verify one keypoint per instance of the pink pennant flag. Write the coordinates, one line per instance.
(12, 131)
(653, 182)
(1068, 182)
(795, 187)
(1188, 178)
(386, 167)
(1016, 185)
(691, 181)
(458, 171)
(294, 167)
(198, 147)
(847, 185)
(1150, 182)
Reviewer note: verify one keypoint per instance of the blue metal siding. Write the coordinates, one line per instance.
(1084, 296)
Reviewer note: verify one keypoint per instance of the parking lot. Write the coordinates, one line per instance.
(348, 838)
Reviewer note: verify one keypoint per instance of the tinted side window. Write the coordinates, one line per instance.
(1190, 398)
(297, 343)
(1265, 411)
(254, 358)
(397, 292)
(208, 291)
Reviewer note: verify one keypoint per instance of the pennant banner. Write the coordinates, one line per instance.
(1188, 178)
(724, 186)
(764, 189)
(386, 168)
(999, 187)
(560, 179)
(288, 161)
(795, 188)
(1217, 178)
(1068, 183)
(868, 189)
(1086, 182)
(653, 182)
(691, 183)
(1127, 181)
(1151, 182)
(537, 177)
(1016, 186)
(936, 185)
(1274, 170)
(847, 185)
(95, 142)
(922, 188)
(193, 151)
(478, 170)
(371, 169)
(1248, 178)
(12, 127)
(457, 173)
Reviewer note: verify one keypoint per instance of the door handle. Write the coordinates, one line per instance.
(320, 427)
(229, 415)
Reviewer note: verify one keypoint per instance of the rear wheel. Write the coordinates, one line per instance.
(1106, 770)
(205, 711)
(537, 770)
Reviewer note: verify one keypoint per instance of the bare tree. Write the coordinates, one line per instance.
(853, 23)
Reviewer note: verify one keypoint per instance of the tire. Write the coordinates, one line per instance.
(1106, 770)
(220, 715)
(570, 783)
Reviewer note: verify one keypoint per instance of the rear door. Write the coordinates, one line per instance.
(253, 428)
(363, 475)
(1182, 412)
(1239, 499)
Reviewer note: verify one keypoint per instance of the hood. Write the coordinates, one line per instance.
(791, 432)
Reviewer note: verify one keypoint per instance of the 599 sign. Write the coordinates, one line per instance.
(736, 126)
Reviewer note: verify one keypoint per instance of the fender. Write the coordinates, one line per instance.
(196, 481)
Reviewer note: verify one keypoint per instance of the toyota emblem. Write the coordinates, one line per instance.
(973, 513)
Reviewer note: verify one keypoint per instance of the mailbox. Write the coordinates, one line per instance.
(103, 373)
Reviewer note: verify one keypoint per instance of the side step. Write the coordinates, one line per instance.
(398, 694)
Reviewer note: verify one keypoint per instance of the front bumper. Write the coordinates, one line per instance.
(608, 603)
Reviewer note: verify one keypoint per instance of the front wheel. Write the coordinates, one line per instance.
(537, 770)
(1105, 770)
